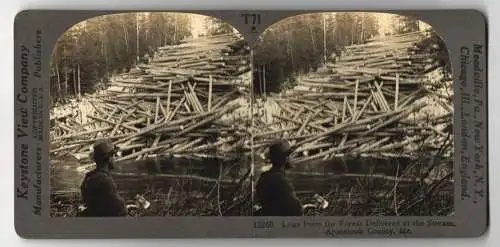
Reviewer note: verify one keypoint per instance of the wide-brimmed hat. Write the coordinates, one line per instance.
(104, 148)
(280, 147)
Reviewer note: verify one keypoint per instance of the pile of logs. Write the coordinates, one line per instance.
(374, 124)
(387, 98)
(378, 99)
(176, 104)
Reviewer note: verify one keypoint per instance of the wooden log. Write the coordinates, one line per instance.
(355, 108)
(73, 135)
(338, 95)
(160, 125)
(177, 149)
(195, 97)
(172, 114)
(330, 177)
(215, 115)
(360, 113)
(381, 95)
(163, 112)
(312, 147)
(169, 99)
(312, 125)
(119, 123)
(269, 133)
(297, 113)
(285, 109)
(64, 127)
(148, 96)
(344, 107)
(306, 122)
(321, 154)
(110, 115)
(377, 98)
(225, 99)
(210, 93)
(351, 112)
(112, 123)
(157, 110)
(206, 146)
(186, 177)
(396, 93)
(190, 100)
(395, 118)
(340, 127)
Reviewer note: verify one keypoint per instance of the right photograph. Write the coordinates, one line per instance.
(352, 116)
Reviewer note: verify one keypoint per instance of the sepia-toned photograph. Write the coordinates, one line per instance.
(175, 114)
(149, 117)
(352, 117)
(250, 123)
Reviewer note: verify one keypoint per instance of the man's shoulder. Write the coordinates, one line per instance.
(100, 175)
(275, 172)
(272, 174)
(267, 173)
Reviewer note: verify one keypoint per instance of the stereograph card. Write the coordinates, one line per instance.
(262, 124)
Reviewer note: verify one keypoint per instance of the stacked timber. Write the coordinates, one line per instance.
(370, 102)
(373, 124)
(179, 104)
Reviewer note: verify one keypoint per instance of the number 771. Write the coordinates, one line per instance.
(254, 17)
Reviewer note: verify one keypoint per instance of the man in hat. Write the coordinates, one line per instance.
(98, 189)
(274, 192)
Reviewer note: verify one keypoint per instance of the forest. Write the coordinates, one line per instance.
(89, 53)
(308, 41)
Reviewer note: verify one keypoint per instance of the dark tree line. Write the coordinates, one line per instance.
(215, 26)
(87, 54)
(303, 43)
(405, 24)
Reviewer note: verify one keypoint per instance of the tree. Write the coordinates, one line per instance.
(405, 24)
(95, 49)
(299, 44)
(216, 26)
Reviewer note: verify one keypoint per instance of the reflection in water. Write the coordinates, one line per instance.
(65, 176)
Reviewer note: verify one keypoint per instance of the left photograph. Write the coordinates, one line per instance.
(150, 116)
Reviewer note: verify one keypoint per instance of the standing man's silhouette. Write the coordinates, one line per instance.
(98, 189)
(274, 192)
